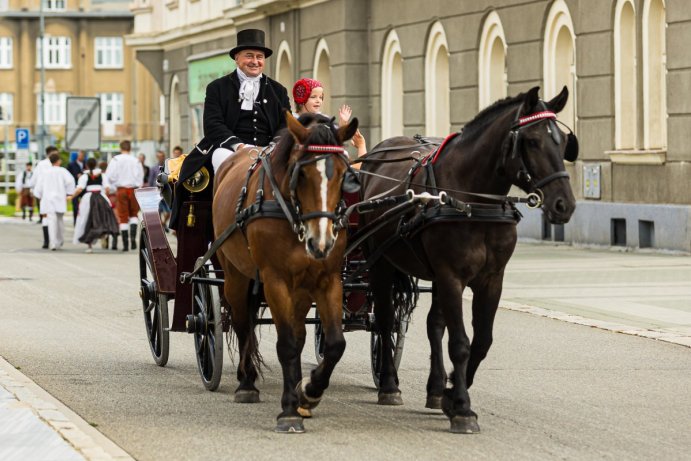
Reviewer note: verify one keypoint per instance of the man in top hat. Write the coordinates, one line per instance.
(243, 108)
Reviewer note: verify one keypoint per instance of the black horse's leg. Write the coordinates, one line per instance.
(485, 304)
(436, 383)
(381, 283)
(329, 304)
(456, 401)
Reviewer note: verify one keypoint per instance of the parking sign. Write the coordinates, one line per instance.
(21, 135)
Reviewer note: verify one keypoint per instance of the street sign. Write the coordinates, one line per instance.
(21, 135)
(83, 127)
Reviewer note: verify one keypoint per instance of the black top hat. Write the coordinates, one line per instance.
(250, 39)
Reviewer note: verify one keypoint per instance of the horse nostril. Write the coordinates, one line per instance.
(560, 206)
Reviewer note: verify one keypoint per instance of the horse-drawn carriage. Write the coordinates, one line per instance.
(283, 237)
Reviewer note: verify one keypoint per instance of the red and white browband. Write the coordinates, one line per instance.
(321, 149)
(536, 116)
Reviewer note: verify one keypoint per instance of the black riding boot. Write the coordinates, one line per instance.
(45, 237)
(114, 246)
(125, 241)
(133, 236)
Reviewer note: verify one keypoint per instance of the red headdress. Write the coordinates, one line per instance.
(303, 88)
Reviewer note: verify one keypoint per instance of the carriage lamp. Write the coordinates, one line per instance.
(191, 218)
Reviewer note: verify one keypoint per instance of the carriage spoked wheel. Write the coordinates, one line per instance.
(397, 339)
(206, 325)
(318, 339)
(154, 303)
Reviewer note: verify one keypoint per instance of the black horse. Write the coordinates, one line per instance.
(513, 142)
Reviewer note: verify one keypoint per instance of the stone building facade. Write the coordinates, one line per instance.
(409, 67)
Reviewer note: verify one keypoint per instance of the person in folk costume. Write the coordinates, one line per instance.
(125, 174)
(23, 187)
(112, 198)
(242, 108)
(76, 169)
(308, 95)
(42, 166)
(96, 218)
(53, 187)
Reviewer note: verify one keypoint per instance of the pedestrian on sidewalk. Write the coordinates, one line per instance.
(53, 188)
(23, 187)
(95, 218)
(76, 169)
(125, 174)
(42, 166)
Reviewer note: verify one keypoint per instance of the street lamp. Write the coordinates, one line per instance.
(42, 134)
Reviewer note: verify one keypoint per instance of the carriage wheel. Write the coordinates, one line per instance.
(318, 339)
(208, 332)
(397, 339)
(155, 305)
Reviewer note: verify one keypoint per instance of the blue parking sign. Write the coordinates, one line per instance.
(21, 135)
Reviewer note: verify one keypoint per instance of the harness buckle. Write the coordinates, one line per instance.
(535, 199)
(301, 232)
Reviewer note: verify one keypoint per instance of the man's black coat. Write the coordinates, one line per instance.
(221, 113)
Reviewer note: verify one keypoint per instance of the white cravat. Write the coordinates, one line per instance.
(249, 89)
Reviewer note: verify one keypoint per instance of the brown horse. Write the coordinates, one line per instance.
(513, 142)
(292, 248)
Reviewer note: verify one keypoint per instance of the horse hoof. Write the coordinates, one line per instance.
(464, 425)
(304, 400)
(290, 425)
(305, 412)
(246, 396)
(393, 398)
(433, 402)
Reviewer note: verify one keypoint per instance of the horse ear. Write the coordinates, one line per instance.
(346, 132)
(557, 104)
(298, 131)
(530, 101)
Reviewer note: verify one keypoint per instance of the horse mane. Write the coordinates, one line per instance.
(473, 129)
(281, 154)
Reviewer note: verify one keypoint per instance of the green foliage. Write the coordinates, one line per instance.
(12, 197)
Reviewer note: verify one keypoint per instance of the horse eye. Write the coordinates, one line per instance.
(532, 143)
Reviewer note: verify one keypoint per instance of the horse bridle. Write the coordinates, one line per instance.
(324, 152)
(535, 194)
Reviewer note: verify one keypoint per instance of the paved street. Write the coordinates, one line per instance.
(549, 389)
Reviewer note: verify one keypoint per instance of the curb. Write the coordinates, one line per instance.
(87, 441)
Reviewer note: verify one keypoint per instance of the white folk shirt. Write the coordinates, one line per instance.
(52, 188)
(125, 170)
(41, 166)
(23, 180)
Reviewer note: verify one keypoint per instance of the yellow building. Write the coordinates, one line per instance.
(84, 54)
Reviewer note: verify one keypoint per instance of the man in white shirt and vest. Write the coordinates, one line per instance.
(125, 174)
(42, 166)
(53, 187)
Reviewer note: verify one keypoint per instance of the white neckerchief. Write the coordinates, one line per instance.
(249, 89)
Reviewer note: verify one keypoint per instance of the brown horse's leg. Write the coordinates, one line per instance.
(436, 382)
(235, 290)
(485, 304)
(456, 401)
(289, 333)
(330, 312)
(381, 283)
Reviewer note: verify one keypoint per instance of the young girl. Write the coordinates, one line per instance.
(96, 218)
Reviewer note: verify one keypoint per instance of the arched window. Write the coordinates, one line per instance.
(284, 66)
(437, 91)
(625, 106)
(654, 75)
(174, 115)
(559, 54)
(392, 88)
(322, 72)
(492, 62)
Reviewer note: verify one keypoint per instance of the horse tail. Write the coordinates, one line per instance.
(405, 295)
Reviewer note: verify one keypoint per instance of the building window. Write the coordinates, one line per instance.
(437, 89)
(654, 75)
(111, 108)
(56, 106)
(4, 6)
(57, 52)
(54, 5)
(5, 52)
(322, 72)
(392, 88)
(108, 53)
(492, 62)
(7, 108)
(625, 71)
